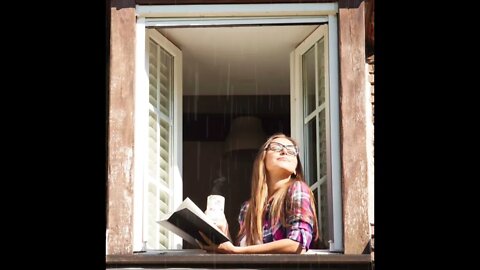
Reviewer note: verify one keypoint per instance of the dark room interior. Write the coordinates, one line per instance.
(222, 135)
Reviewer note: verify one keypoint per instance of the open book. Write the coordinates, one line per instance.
(188, 219)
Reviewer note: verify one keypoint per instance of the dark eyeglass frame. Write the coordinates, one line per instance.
(280, 149)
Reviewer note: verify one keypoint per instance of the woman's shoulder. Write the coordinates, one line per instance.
(299, 194)
(299, 185)
(299, 191)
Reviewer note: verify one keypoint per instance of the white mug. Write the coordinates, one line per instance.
(215, 207)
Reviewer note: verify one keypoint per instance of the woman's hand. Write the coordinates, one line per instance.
(222, 224)
(225, 247)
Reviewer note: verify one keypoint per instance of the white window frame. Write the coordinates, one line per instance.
(235, 14)
(333, 122)
(141, 132)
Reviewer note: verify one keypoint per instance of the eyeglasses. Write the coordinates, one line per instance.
(278, 147)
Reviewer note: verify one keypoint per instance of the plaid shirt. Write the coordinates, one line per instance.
(299, 217)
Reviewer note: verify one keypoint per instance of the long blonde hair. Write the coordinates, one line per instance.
(252, 226)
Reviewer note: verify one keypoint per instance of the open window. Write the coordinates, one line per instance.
(315, 121)
(204, 78)
(158, 136)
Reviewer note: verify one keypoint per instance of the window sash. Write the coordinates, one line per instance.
(315, 124)
(158, 180)
(158, 138)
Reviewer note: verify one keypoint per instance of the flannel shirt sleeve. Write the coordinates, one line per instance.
(299, 214)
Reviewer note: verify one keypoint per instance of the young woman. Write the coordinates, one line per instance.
(280, 215)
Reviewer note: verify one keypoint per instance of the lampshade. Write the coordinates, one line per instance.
(245, 133)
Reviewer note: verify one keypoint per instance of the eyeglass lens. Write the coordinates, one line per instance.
(278, 147)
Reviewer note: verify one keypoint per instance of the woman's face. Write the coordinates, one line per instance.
(281, 156)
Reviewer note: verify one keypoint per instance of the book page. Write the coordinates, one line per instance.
(189, 204)
(188, 219)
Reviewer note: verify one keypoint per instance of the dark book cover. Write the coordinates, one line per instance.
(188, 219)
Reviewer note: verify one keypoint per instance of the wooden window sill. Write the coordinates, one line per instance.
(201, 259)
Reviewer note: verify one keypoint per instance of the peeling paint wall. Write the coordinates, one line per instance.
(370, 146)
(353, 99)
(120, 144)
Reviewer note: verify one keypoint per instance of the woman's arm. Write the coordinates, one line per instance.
(280, 246)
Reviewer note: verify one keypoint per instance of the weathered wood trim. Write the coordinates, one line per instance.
(194, 2)
(353, 102)
(227, 261)
(120, 140)
(370, 27)
(371, 156)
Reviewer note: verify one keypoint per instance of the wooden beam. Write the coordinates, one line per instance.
(120, 130)
(196, 258)
(370, 27)
(354, 100)
(196, 2)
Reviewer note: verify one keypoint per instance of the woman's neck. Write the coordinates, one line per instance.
(275, 183)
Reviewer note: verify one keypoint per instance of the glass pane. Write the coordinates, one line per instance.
(151, 225)
(322, 136)
(158, 160)
(152, 73)
(315, 196)
(156, 201)
(321, 71)
(162, 233)
(308, 80)
(310, 152)
(166, 81)
(164, 150)
(152, 145)
(323, 214)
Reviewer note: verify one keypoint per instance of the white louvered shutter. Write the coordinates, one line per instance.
(158, 184)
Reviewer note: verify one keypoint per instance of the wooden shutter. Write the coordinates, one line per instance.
(158, 184)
